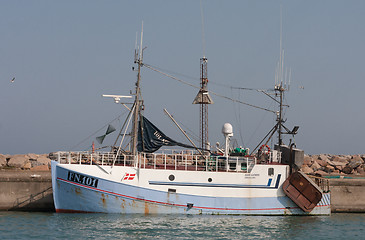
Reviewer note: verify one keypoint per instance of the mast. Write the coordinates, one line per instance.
(204, 106)
(137, 102)
(281, 90)
(203, 99)
(281, 84)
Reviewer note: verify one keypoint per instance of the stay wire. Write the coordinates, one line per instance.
(258, 126)
(190, 132)
(238, 118)
(210, 81)
(78, 144)
(214, 93)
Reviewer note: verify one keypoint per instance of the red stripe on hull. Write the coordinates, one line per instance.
(172, 204)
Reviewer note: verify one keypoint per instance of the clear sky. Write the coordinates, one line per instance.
(65, 54)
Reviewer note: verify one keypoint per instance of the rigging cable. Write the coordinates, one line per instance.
(78, 144)
(190, 132)
(258, 126)
(214, 93)
(210, 81)
(238, 118)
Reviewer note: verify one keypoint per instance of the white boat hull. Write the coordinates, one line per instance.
(87, 188)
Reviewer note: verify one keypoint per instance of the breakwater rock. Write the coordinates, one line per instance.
(334, 165)
(30, 161)
(318, 165)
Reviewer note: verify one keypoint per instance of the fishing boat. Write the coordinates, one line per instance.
(148, 179)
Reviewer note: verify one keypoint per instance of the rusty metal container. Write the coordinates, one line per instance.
(303, 191)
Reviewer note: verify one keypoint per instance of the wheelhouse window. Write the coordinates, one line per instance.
(270, 172)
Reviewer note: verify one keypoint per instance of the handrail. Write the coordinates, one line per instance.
(182, 160)
(31, 198)
(323, 183)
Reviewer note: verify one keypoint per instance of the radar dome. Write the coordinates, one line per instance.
(227, 129)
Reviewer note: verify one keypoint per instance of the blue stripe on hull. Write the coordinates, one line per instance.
(190, 184)
(209, 185)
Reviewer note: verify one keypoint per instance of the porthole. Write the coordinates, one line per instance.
(171, 177)
(209, 179)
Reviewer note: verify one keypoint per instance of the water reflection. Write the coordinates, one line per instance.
(106, 226)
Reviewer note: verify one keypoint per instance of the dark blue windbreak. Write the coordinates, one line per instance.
(153, 138)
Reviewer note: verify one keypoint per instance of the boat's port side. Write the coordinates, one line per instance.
(84, 188)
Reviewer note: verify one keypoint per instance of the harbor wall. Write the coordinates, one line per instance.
(26, 191)
(347, 195)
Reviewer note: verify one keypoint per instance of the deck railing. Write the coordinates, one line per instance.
(323, 183)
(173, 160)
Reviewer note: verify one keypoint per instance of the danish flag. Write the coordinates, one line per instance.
(129, 176)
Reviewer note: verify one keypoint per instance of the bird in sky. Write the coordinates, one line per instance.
(12, 80)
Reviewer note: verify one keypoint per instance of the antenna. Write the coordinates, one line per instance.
(141, 43)
(282, 66)
(277, 73)
(281, 45)
(135, 48)
(282, 81)
(289, 78)
(203, 34)
(286, 78)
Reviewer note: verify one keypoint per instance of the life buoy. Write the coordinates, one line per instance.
(267, 147)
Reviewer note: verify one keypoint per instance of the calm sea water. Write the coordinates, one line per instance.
(23, 225)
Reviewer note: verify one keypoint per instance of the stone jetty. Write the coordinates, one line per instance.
(30, 161)
(318, 165)
(334, 165)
